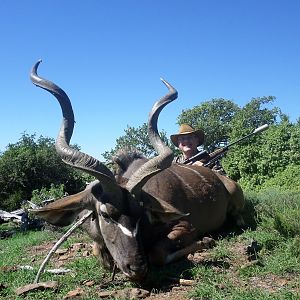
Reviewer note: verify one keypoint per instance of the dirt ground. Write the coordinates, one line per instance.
(170, 288)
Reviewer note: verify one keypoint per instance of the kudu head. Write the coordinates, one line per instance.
(116, 208)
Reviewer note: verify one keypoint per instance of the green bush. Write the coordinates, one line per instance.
(249, 213)
(286, 180)
(13, 201)
(54, 192)
(280, 211)
(32, 164)
(294, 247)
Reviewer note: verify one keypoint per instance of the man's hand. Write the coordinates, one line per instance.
(197, 163)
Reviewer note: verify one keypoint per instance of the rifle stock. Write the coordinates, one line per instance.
(201, 155)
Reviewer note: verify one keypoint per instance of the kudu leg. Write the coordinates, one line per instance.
(179, 243)
(206, 243)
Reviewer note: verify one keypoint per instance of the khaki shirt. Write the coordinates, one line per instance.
(217, 167)
(180, 159)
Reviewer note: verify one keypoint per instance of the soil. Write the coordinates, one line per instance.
(169, 288)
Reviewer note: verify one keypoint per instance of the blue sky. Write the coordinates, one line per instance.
(109, 56)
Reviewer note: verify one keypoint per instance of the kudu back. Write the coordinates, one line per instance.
(152, 211)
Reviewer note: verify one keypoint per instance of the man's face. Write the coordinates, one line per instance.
(188, 143)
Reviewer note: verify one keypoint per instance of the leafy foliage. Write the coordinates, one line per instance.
(264, 160)
(244, 162)
(214, 117)
(270, 159)
(254, 114)
(54, 192)
(33, 164)
(136, 139)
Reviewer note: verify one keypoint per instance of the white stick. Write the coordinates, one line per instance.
(58, 243)
(261, 128)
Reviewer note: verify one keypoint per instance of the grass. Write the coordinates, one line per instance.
(226, 272)
(275, 273)
(18, 251)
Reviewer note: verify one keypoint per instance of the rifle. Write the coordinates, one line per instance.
(216, 155)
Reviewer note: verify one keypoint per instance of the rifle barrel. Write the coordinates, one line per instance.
(257, 130)
(261, 128)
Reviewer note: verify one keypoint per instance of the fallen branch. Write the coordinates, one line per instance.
(6, 216)
(181, 281)
(36, 287)
(59, 242)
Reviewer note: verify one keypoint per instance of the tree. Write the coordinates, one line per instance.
(214, 117)
(266, 156)
(136, 139)
(33, 164)
(254, 114)
(262, 157)
(257, 160)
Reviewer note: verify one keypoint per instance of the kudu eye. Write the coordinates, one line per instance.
(105, 216)
(104, 212)
(109, 212)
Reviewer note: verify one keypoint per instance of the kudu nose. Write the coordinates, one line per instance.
(137, 272)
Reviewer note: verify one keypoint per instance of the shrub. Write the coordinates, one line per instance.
(13, 201)
(280, 211)
(54, 192)
(286, 180)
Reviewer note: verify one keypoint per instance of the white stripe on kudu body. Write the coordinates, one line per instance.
(127, 231)
(197, 174)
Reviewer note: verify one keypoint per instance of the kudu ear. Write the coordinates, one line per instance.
(159, 210)
(64, 211)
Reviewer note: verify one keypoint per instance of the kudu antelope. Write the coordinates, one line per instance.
(152, 211)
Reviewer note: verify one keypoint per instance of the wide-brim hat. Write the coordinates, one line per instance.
(187, 129)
